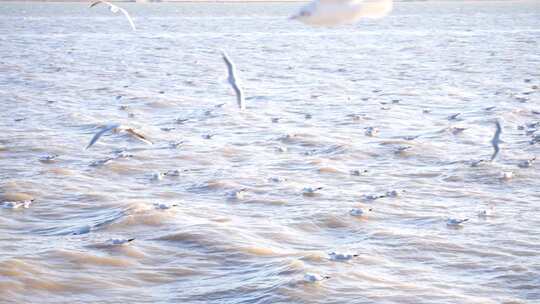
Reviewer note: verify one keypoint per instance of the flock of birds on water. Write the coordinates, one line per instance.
(317, 13)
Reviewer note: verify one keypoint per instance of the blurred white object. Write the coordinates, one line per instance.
(336, 12)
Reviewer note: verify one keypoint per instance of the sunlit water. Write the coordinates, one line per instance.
(66, 71)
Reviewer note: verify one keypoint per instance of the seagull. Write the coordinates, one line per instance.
(356, 212)
(496, 140)
(371, 131)
(392, 193)
(117, 128)
(452, 222)
(238, 194)
(453, 116)
(119, 242)
(313, 278)
(231, 70)
(372, 197)
(309, 191)
(507, 175)
(101, 162)
(526, 163)
(47, 159)
(173, 173)
(342, 257)
(158, 176)
(162, 206)
(357, 172)
(115, 9)
(483, 214)
(16, 205)
(277, 179)
(337, 12)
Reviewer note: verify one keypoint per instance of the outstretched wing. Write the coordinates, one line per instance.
(496, 139)
(233, 82)
(138, 135)
(100, 1)
(128, 18)
(100, 133)
(115, 9)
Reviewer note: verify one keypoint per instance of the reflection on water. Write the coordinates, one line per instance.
(219, 205)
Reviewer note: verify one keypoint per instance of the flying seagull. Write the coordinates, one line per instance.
(336, 12)
(115, 9)
(496, 140)
(231, 70)
(117, 128)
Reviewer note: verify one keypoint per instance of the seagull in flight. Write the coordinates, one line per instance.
(117, 128)
(115, 9)
(231, 70)
(496, 140)
(337, 12)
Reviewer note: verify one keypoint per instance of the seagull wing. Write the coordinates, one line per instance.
(115, 7)
(95, 3)
(98, 2)
(239, 97)
(232, 80)
(138, 135)
(495, 140)
(100, 133)
(128, 18)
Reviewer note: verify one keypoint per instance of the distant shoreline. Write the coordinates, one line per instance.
(163, 1)
(214, 1)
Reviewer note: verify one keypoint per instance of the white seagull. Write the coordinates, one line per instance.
(314, 277)
(115, 9)
(117, 128)
(16, 205)
(231, 71)
(336, 12)
(342, 257)
(452, 222)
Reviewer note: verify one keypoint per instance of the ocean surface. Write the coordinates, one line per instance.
(217, 204)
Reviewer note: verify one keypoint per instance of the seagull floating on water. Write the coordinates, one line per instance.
(309, 191)
(158, 176)
(313, 278)
(231, 70)
(507, 175)
(239, 194)
(452, 222)
(47, 159)
(162, 206)
(357, 212)
(526, 163)
(115, 9)
(371, 131)
(342, 257)
(120, 242)
(16, 205)
(336, 12)
(357, 172)
(483, 214)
